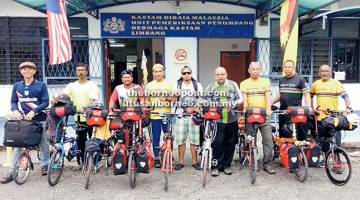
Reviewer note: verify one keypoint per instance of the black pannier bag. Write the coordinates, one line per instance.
(92, 145)
(22, 133)
(63, 107)
(119, 159)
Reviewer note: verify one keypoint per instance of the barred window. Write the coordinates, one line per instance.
(20, 40)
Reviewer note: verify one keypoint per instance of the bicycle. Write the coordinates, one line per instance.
(166, 154)
(95, 148)
(246, 147)
(337, 160)
(132, 117)
(56, 164)
(210, 115)
(296, 115)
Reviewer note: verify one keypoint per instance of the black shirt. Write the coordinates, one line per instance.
(291, 91)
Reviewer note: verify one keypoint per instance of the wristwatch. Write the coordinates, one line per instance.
(350, 108)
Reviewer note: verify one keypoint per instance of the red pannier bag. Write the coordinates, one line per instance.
(288, 156)
(131, 114)
(255, 115)
(313, 152)
(298, 114)
(212, 113)
(119, 159)
(95, 117)
(145, 160)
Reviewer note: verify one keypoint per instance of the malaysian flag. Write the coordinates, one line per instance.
(59, 35)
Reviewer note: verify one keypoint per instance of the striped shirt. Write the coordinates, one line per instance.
(291, 91)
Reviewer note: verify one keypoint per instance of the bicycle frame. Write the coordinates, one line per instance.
(209, 135)
(167, 146)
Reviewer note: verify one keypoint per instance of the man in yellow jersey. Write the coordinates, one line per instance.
(82, 93)
(327, 91)
(257, 94)
(157, 94)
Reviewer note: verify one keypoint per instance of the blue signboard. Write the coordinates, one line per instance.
(139, 25)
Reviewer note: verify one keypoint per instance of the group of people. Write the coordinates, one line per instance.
(186, 97)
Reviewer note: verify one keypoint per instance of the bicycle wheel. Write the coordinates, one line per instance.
(241, 152)
(338, 167)
(55, 168)
(21, 171)
(38, 154)
(301, 172)
(167, 170)
(132, 170)
(253, 165)
(205, 166)
(89, 167)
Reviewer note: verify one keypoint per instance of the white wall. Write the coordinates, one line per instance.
(209, 55)
(173, 66)
(5, 91)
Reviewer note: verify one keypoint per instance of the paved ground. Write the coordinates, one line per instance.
(185, 184)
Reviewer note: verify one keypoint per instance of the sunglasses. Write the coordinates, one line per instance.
(184, 73)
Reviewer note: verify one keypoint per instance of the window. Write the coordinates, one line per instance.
(346, 59)
(131, 61)
(345, 28)
(20, 40)
(314, 29)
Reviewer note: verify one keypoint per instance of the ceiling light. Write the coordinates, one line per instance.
(117, 45)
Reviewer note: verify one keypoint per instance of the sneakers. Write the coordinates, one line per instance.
(44, 171)
(215, 172)
(7, 179)
(196, 166)
(269, 169)
(227, 171)
(179, 166)
(157, 163)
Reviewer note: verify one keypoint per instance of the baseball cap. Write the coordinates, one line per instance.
(126, 72)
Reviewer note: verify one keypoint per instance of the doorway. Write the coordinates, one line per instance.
(236, 64)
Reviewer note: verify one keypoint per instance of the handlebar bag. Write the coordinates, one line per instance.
(22, 133)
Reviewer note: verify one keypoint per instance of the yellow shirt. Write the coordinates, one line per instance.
(155, 90)
(80, 94)
(255, 91)
(327, 93)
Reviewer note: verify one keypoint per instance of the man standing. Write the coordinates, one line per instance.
(82, 93)
(257, 94)
(159, 98)
(227, 94)
(128, 93)
(327, 91)
(188, 89)
(292, 88)
(28, 100)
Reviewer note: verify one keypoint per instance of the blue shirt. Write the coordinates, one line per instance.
(33, 97)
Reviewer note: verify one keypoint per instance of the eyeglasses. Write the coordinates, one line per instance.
(184, 73)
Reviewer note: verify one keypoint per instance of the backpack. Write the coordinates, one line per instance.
(179, 85)
(119, 159)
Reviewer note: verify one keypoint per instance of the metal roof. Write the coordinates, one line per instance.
(262, 6)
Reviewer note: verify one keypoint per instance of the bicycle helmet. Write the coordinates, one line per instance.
(197, 119)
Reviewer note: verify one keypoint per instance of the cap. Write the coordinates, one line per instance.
(158, 66)
(186, 68)
(126, 72)
(27, 64)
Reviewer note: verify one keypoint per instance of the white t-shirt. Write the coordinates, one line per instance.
(188, 96)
